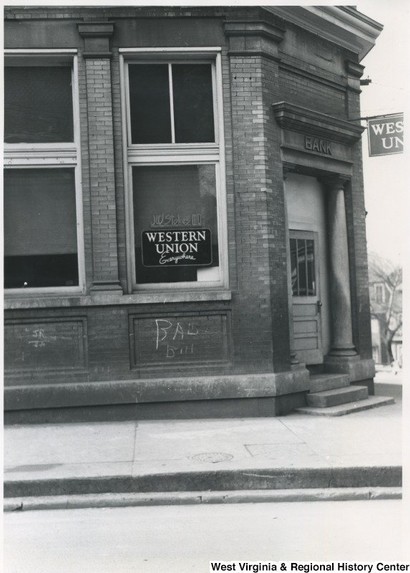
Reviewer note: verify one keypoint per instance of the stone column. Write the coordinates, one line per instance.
(339, 277)
(101, 154)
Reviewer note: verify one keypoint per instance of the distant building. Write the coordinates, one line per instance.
(386, 303)
(184, 211)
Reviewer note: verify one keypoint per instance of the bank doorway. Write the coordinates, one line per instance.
(308, 265)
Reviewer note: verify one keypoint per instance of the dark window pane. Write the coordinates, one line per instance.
(302, 267)
(149, 103)
(175, 199)
(293, 266)
(193, 103)
(38, 105)
(310, 259)
(40, 237)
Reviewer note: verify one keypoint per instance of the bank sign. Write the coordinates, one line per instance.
(177, 247)
(385, 134)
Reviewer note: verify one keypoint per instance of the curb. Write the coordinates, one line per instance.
(111, 500)
(215, 481)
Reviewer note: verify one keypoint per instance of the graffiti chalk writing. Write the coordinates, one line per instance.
(173, 351)
(170, 220)
(40, 339)
(174, 337)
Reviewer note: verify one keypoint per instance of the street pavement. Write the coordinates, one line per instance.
(178, 539)
(292, 457)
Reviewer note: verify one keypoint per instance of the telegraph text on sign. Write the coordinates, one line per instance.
(386, 135)
(183, 247)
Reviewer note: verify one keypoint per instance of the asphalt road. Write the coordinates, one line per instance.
(175, 539)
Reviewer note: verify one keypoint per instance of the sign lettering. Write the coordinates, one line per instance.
(386, 135)
(318, 145)
(184, 247)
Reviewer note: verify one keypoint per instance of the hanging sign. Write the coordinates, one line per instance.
(385, 135)
(184, 247)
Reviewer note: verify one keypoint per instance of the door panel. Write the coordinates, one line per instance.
(306, 296)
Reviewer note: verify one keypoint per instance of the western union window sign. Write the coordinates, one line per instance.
(385, 134)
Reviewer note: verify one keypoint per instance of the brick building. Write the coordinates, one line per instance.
(184, 210)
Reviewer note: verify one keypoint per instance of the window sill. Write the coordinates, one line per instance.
(17, 302)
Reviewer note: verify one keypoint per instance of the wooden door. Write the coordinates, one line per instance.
(304, 265)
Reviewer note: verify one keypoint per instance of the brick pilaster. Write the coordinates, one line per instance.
(261, 320)
(101, 154)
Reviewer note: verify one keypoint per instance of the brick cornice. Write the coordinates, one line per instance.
(310, 122)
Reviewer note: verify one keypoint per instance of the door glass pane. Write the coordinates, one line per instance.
(293, 266)
(40, 237)
(149, 103)
(193, 103)
(38, 105)
(301, 251)
(175, 222)
(310, 259)
(302, 267)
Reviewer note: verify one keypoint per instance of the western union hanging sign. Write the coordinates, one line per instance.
(385, 134)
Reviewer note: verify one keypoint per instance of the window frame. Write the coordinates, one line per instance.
(175, 154)
(51, 155)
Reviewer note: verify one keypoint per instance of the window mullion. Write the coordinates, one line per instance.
(171, 102)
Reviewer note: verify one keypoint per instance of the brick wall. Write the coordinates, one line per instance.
(260, 319)
(257, 316)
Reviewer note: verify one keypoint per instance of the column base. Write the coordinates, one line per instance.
(343, 351)
(355, 367)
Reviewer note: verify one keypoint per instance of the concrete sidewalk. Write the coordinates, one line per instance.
(192, 461)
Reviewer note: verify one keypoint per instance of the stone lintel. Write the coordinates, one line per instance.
(311, 122)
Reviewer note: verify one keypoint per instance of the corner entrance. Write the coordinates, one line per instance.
(308, 267)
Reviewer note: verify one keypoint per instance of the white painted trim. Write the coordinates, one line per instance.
(78, 179)
(124, 75)
(222, 204)
(169, 50)
(126, 139)
(32, 159)
(171, 101)
(131, 231)
(47, 51)
(180, 158)
(43, 291)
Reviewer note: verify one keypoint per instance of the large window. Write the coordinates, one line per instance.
(175, 170)
(171, 103)
(41, 196)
